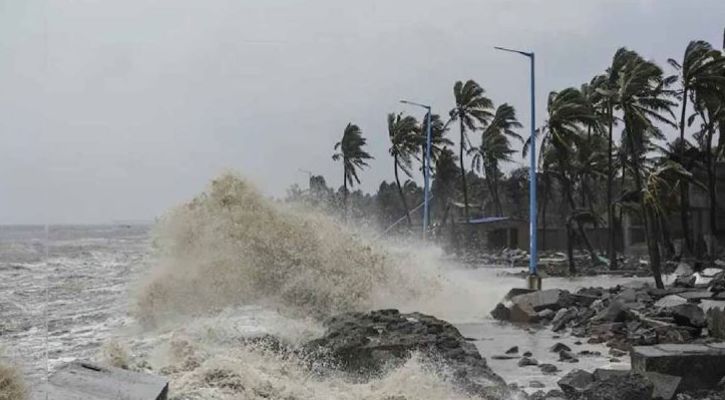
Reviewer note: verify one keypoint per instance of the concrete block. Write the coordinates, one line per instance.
(700, 366)
(88, 381)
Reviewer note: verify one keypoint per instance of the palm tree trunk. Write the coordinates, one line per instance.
(580, 227)
(463, 174)
(400, 191)
(649, 217)
(570, 248)
(344, 188)
(612, 250)
(711, 187)
(666, 238)
(499, 207)
(684, 187)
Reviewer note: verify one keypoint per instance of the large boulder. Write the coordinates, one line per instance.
(575, 382)
(619, 387)
(368, 344)
(689, 315)
(616, 312)
(552, 299)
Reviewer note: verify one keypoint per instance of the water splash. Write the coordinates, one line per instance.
(231, 246)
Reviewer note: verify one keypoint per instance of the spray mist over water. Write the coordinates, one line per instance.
(231, 246)
(233, 264)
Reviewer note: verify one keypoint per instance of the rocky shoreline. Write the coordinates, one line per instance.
(687, 313)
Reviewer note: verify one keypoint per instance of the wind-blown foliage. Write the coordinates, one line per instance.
(403, 135)
(350, 151)
(495, 149)
(472, 110)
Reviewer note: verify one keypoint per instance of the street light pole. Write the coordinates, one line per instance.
(426, 170)
(534, 280)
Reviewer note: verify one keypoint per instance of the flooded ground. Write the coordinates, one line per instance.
(92, 271)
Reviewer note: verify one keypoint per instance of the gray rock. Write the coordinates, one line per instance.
(528, 361)
(602, 374)
(685, 281)
(558, 347)
(559, 315)
(546, 314)
(567, 356)
(665, 386)
(552, 299)
(527, 354)
(626, 387)
(559, 324)
(575, 382)
(523, 312)
(536, 384)
(683, 269)
(501, 312)
(504, 357)
(616, 312)
(548, 369)
(366, 344)
(689, 315)
(88, 381)
(513, 350)
(670, 301)
(696, 295)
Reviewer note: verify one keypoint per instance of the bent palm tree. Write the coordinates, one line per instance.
(608, 90)
(438, 141)
(495, 148)
(473, 109)
(700, 72)
(352, 155)
(402, 132)
(643, 98)
(563, 137)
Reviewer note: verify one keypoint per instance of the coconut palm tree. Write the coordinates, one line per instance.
(472, 111)
(495, 149)
(350, 151)
(444, 181)
(438, 141)
(607, 89)
(564, 135)
(643, 100)
(699, 73)
(709, 107)
(402, 131)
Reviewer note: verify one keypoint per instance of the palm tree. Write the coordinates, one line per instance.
(438, 141)
(699, 73)
(472, 110)
(643, 99)
(402, 131)
(444, 181)
(350, 151)
(606, 87)
(563, 136)
(495, 148)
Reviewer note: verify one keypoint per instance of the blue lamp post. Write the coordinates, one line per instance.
(426, 172)
(534, 280)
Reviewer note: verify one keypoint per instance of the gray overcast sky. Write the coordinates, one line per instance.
(119, 109)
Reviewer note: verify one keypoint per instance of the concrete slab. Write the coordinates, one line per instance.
(543, 299)
(700, 366)
(696, 295)
(88, 381)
